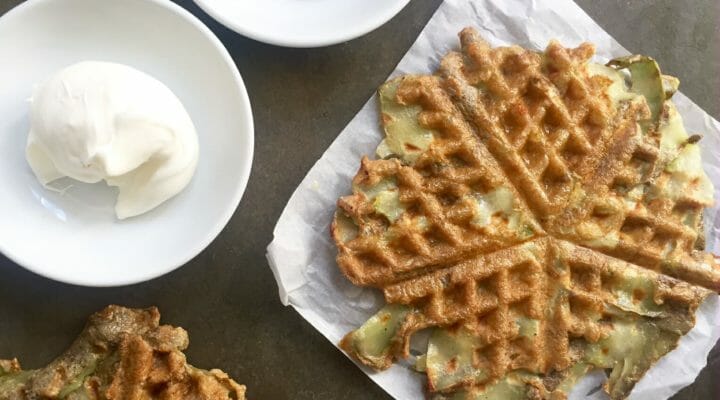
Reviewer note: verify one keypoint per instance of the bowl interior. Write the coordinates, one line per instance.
(303, 23)
(71, 234)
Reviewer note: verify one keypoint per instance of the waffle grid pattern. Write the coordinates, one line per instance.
(440, 189)
(571, 153)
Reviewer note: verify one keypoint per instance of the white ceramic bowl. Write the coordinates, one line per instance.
(302, 23)
(74, 236)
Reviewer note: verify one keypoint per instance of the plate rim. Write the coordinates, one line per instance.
(276, 40)
(232, 205)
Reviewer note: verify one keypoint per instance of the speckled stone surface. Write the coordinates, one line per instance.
(226, 297)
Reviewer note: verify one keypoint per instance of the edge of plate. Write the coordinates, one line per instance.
(303, 43)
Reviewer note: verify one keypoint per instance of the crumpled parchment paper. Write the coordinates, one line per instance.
(302, 254)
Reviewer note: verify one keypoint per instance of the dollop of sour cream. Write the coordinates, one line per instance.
(96, 121)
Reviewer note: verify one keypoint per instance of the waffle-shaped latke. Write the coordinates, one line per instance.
(539, 214)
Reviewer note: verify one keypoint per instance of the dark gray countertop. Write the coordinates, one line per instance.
(226, 297)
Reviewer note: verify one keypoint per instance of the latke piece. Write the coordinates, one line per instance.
(122, 354)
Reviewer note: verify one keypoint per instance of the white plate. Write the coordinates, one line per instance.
(73, 236)
(302, 23)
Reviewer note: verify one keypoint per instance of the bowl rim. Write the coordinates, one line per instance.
(280, 40)
(232, 205)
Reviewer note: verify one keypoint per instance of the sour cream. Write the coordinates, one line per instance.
(96, 121)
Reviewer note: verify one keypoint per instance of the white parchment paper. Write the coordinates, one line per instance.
(302, 254)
